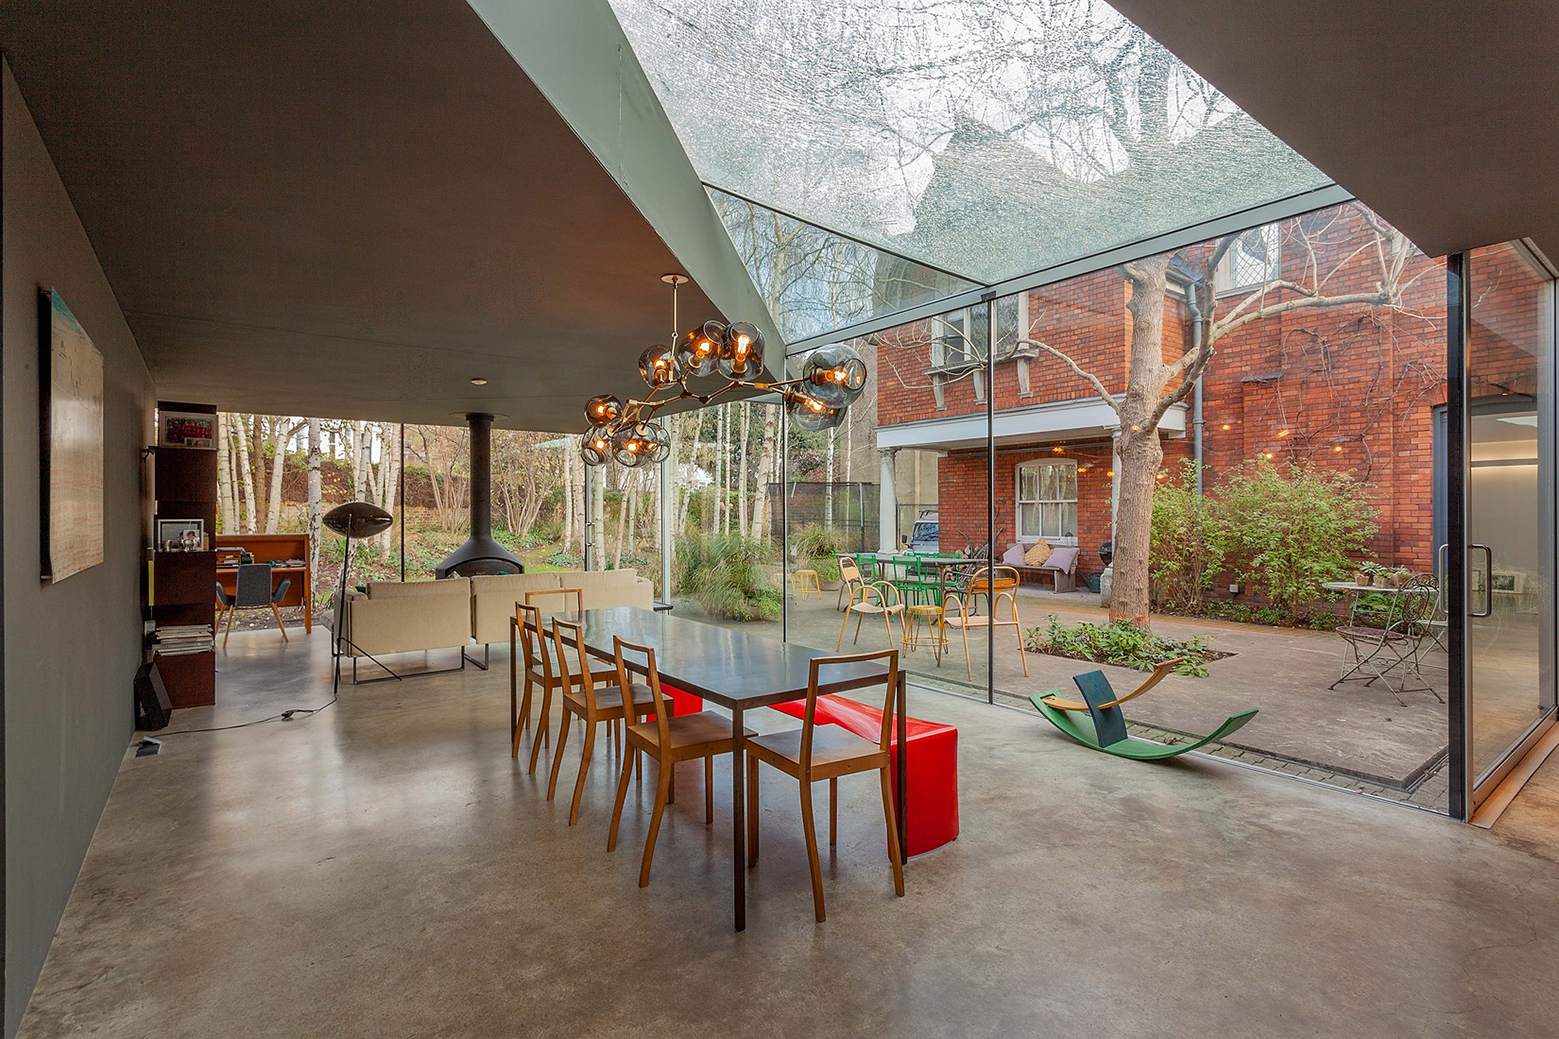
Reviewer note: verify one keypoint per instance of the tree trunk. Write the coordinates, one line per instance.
(570, 453)
(225, 488)
(257, 456)
(316, 506)
(251, 507)
(766, 464)
(743, 440)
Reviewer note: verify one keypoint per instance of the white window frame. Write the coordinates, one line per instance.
(1018, 501)
(1228, 278)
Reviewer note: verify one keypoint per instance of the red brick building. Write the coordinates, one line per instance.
(1355, 386)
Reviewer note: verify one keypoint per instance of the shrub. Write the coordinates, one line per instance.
(816, 547)
(562, 560)
(1189, 542)
(1123, 644)
(729, 575)
(1291, 527)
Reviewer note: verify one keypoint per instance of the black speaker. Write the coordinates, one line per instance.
(153, 709)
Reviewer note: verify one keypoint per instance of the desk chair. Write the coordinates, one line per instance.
(252, 591)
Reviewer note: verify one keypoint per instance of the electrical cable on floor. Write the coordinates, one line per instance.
(285, 716)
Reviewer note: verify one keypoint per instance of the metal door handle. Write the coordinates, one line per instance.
(1488, 583)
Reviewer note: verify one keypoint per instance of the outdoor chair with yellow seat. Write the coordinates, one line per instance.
(814, 753)
(998, 585)
(666, 739)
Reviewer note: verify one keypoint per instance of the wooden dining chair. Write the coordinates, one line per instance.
(594, 697)
(998, 585)
(666, 739)
(811, 754)
(871, 600)
(850, 580)
(536, 651)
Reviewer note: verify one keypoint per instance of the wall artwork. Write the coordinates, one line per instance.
(70, 411)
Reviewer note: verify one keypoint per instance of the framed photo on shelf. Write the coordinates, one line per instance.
(172, 535)
(187, 429)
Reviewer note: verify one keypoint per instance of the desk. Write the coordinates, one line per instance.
(739, 672)
(267, 548)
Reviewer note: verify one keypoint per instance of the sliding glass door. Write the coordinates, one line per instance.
(1509, 473)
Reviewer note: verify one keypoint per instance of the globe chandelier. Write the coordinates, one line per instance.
(625, 432)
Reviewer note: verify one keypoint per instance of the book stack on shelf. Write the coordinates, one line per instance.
(177, 640)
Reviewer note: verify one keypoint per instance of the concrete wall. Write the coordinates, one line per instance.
(70, 650)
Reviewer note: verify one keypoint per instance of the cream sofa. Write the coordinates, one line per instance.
(493, 598)
(404, 617)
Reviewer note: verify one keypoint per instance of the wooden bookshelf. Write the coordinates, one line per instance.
(184, 482)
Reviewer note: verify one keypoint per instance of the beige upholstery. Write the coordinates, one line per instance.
(493, 599)
(392, 617)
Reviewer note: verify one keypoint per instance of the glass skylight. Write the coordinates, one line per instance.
(989, 139)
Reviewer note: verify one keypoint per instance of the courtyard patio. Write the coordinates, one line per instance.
(1356, 736)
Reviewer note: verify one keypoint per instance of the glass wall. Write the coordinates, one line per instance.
(1223, 455)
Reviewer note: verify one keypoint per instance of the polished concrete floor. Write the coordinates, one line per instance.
(383, 869)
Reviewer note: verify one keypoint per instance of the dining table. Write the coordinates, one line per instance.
(739, 672)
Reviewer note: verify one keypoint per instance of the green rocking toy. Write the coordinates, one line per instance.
(1109, 724)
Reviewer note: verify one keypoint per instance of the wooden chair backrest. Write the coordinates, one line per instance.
(652, 679)
(993, 581)
(883, 594)
(814, 682)
(579, 597)
(566, 672)
(533, 640)
(848, 571)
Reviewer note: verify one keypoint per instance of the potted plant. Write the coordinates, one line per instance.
(1370, 575)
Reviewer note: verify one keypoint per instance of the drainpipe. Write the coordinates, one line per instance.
(1193, 298)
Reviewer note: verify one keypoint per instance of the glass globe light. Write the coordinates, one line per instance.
(593, 449)
(633, 445)
(660, 444)
(741, 353)
(835, 374)
(699, 351)
(813, 414)
(658, 366)
(602, 410)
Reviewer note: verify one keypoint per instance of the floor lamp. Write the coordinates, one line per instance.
(355, 519)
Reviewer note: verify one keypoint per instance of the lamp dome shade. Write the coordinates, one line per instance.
(358, 519)
(699, 351)
(813, 414)
(741, 353)
(658, 366)
(602, 409)
(593, 449)
(835, 374)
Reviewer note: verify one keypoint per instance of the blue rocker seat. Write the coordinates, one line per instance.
(1109, 724)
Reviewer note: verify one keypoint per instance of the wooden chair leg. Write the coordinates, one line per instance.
(809, 828)
(893, 833)
(843, 625)
(584, 766)
(709, 789)
(833, 812)
(279, 625)
(752, 812)
(630, 756)
(231, 611)
(662, 798)
(543, 731)
(968, 664)
(858, 618)
(1022, 655)
(557, 753)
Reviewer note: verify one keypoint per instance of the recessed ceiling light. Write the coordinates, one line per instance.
(478, 382)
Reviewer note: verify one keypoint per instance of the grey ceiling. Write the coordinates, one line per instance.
(1437, 114)
(344, 209)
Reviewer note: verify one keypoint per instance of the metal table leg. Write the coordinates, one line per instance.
(739, 815)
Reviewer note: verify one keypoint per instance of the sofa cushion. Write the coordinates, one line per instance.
(604, 589)
(1013, 556)
(453, 586)
(1063, 558)
(1037, 553)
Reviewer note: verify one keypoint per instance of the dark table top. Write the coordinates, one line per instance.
(730, 668)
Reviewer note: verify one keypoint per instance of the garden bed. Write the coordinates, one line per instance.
(1122, 644)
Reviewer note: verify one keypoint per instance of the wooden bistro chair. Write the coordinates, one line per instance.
(666, 739)
(871, 600)
(850, 580)
(591, 696)
(814, 753)
(252, 591)
(997, 584)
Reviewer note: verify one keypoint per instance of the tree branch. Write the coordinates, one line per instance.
(1089, 377)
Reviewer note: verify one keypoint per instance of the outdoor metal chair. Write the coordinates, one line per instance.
(997, 585)
(1393, 648)
(850, 580)
(871, 600)
(252, 591)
